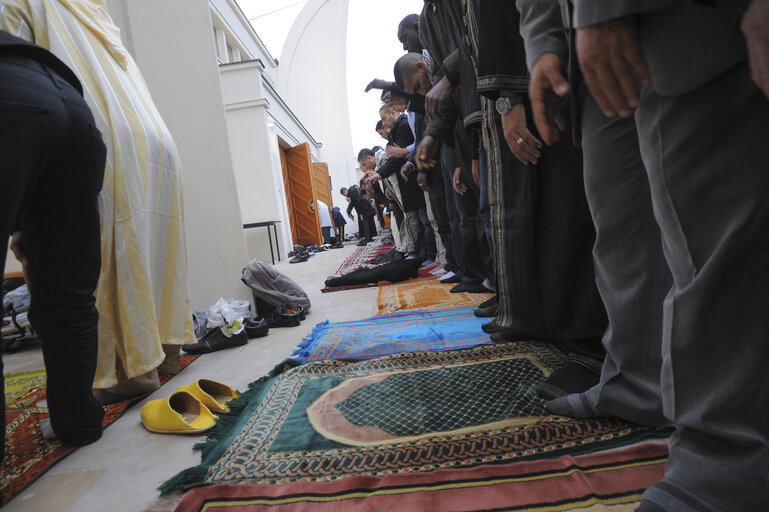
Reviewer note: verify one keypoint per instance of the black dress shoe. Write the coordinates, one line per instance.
(492, 327)
(487, 303)
(279, 318)
(299, 258)
(489, 311)
(514, 335)
(256, 328)
(216, 340)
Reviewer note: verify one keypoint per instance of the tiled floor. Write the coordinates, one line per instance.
(122, 470)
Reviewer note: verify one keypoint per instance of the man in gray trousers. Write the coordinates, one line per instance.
(702, 124)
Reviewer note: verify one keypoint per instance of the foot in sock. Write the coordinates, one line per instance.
(46, 429)
(576, 376)
(464, 286)
(576, 405)
(489, 302)
(486, 312)
(492, 327)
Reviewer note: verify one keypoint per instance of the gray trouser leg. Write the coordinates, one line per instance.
(708, 164)
(630, 269)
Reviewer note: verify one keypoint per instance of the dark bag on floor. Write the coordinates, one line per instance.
(272, 289)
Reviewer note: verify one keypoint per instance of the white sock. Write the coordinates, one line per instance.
(448, 275)
(46, 429)
(439, 272)
(487, 284)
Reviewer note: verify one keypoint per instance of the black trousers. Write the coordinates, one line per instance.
(51, 171)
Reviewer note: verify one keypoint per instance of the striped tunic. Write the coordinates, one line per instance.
(143, 296)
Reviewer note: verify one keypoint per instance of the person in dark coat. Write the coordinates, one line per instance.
(363, 208)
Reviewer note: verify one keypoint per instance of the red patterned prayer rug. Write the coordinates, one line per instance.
(27, 454)
(403, 414)
(607, 479)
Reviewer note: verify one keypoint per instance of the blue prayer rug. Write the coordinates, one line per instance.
(413, 331)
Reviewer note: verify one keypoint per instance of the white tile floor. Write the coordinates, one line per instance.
(122, 470)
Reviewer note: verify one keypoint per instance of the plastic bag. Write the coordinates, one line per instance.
(228, 315)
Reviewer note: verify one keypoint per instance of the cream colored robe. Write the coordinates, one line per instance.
(143, 297)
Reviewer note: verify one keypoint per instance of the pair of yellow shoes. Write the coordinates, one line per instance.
(190, 410)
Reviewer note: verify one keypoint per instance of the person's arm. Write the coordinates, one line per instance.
(501, 57)
(542, 29)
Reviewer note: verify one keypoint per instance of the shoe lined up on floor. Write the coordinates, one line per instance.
(190, 409)
(215, 340)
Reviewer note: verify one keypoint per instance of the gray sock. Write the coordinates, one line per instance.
(575, 405)
(46, 429)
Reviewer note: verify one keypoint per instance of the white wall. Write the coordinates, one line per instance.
(173, 44)
(312, 78)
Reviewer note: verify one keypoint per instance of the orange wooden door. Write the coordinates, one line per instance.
(287, 191)
(322, 183)
(306, 227)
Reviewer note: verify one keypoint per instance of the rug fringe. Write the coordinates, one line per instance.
(304, 350)
(193, 476)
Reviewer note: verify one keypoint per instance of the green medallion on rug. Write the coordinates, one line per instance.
(409, 412)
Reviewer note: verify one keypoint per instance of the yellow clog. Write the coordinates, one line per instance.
(180, 413)
(212, 394)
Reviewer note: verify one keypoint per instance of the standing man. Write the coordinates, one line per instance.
(143, 298)
(702, 128)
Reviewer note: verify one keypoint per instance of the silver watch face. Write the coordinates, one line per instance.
(504, 106)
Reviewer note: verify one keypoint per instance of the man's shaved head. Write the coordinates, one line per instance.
(410, 74)
(408, 33)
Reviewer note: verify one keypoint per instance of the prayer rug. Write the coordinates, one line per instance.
(424, 293)
(406, 413)
(393, 334)
(613, 480)
(27, 454)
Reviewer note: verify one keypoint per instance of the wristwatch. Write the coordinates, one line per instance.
(505, 104)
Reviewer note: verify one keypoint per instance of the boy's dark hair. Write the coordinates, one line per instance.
(379, 125)
(363, 153)
(404, 68)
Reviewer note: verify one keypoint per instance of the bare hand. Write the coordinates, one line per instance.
(755, 26)
(436, 97)
(613, 64)
(422, 180)
(426, 152)
(546, 85)
(459, 185)
(521, 142)
(378, 83)
(476, 168)
(18, 252)
(371, 176)
(396, 151)
(406, 170)
(388, 194)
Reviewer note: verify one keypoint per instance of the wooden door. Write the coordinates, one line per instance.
(306, 227)
(287, 191)
(322, 183)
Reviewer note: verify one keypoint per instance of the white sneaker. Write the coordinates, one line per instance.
(448, 275)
